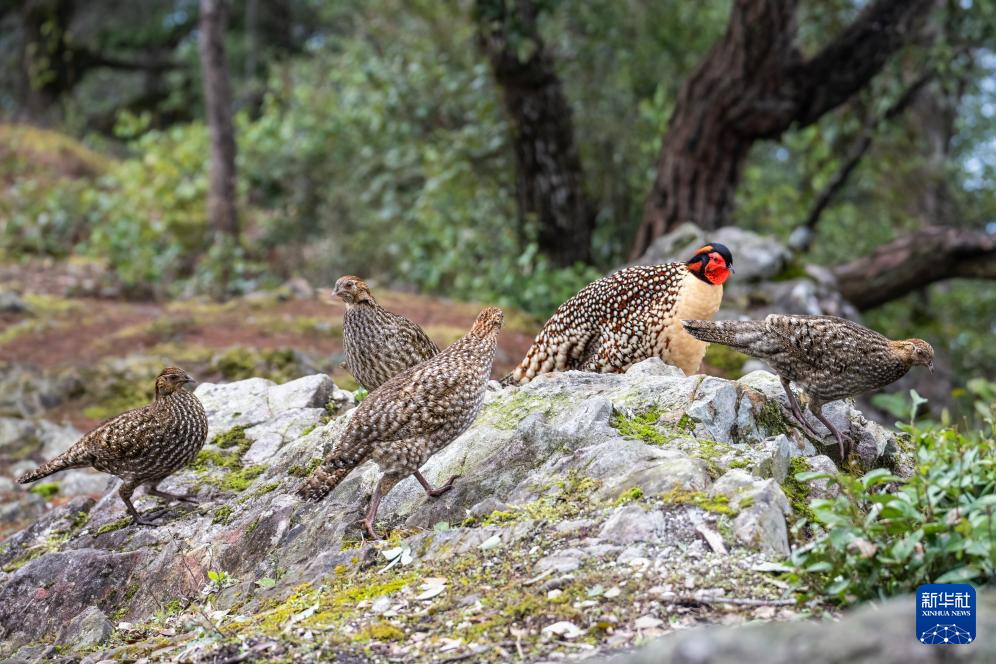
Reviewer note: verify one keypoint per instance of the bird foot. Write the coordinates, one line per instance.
(182, 498)
(147, 519)
(368, 524)
(435, 493)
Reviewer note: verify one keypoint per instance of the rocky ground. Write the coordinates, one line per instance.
(593, 513)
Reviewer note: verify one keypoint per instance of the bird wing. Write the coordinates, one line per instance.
(130, 435)
(830, 343)
(414, 403)
(410, 335)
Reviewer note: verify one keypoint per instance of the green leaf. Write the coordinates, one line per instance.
(959, 574)
(266, 583)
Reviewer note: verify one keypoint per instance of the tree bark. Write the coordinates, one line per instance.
(754, 85)
(218, 103)
(916, 261)
(549, 175)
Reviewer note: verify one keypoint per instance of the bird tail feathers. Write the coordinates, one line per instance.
(71, 458)
(325, 478)
(739, 334)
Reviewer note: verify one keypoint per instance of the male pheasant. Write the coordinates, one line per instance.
(141, 446)
(378, 344)
(630, 316)
(412, 416)
(830, 358)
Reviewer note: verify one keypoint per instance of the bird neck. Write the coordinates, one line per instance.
(902, 351)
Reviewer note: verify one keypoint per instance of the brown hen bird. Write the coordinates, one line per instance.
(630, 316)
(141, 446)
(412, 416)
(830, 358)
(378, 344)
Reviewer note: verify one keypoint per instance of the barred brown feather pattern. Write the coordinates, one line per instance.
(380, 344)
(621, 319)
(417, 412)
(830, 358)
(144, 445)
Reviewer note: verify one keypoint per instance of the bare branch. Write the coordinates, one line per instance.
(915, 261)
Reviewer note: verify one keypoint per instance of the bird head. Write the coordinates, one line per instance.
(711, 263)
(488, 323)
(916, 351)
(170, 380)
(352, 290)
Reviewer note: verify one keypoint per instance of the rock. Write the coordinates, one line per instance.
(547, 457)
(879, 632)
(775, 458)
(228, 405)
(630, 523)
(288, 424)
(90, 628)
(822, 488)
(308, 392)
(655, 366)
(11, 303)
(562, 561)
(762, 507)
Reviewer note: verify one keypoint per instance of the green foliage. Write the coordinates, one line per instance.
(886, 535)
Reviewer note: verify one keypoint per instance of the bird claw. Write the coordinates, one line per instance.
(435, 493)
(368, 524)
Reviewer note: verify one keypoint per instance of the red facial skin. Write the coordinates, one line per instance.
(716, 270)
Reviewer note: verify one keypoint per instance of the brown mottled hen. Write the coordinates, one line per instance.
(412, 416)
(142, 446)
(378, 344)
(630, 316)
(830, 358)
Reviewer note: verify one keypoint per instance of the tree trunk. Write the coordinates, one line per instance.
(549, 177)
(916, 261)
(753, 85)
(218, 104)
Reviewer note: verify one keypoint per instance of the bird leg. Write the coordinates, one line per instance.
(434, 493)
(125, 492)
(817, 410)
(797, 411)
(154, 490)
(385, 484)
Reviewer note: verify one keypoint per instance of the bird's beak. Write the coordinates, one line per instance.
(931, 367)
(187, 380)
(732, 271)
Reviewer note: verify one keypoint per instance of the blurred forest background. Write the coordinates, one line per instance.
(506, 151)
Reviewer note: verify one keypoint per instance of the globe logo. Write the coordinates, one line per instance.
(945, 634)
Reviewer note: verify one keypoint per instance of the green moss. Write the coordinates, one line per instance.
(709, 452)
(740, 463)
(305, 471)
(45, 489)
(796, 491)
(80, 519)
(629, 495)
(252, 527)
(380, 631)
(308, 430)
(565, 499)
(717, 504)
(641, 427)
(240, 480)
(25, 558)
(114, 525)
(506, 413)
(728, 361)
(221, 514)
(232, 438)
(772, 419)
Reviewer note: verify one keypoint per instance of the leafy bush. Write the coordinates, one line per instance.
(886, 535)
